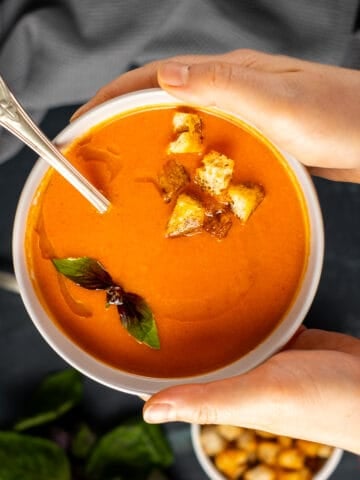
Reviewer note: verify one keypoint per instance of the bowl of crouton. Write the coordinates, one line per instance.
(228, 452)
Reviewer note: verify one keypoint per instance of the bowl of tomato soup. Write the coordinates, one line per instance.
(205, 264)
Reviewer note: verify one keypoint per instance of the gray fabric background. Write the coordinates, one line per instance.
(58, 53)
(55, 53)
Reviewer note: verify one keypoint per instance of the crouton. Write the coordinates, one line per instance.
(261, 472)
(247, 441)
(267, 452)
(291, 458)
(187, 217)
(324, 451)
(211, 441)
(303, 474)
(215, 174)
(263, 434)
(186, 142)
(188, 126)
(172, 178)
(218, 223)
(229, 432)
(285, 442)
(231, 462)
(310, 449)
(187, 122)
(244, 199)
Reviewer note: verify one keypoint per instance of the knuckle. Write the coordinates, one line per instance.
(220, 74)
(206, 414)
(250, 58)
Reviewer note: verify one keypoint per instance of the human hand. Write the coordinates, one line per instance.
(309, 391)
(310, 110)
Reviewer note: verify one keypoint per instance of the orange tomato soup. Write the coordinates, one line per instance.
(213, 300)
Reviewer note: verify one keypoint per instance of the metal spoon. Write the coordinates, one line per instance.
(17, 121)
(8, 282)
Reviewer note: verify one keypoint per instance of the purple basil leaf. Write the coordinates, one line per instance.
(84, 271)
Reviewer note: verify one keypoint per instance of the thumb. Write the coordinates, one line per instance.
(295, 393)
(250, 400)
(256, 95)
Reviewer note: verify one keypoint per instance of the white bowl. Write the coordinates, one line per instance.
(122, 380)
(213, 473)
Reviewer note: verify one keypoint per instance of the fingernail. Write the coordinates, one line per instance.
(174, 74)
(159, 412)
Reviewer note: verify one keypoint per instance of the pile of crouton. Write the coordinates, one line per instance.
(245, 454)
(210, 200)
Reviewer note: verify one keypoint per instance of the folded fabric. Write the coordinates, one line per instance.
(60, 52)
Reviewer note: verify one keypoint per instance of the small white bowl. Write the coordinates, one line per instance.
(213, 473)
(122, 380)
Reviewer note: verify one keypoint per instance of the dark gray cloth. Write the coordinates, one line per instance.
(60, 52)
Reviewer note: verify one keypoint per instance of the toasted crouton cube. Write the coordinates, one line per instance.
(267, 452)
(247, 441)
(172, 178)
(291, 458)
(186, 142)
(231, 462)
(187, 122)
(211, 440)
(310, 449)
(186, 218)
(215, 174)
(263, 434)
(303, 474)
(218, 223)
(229, 432)
(188, 126)
(324, 451)
(244, 199)
(285, 442)
(261, 472)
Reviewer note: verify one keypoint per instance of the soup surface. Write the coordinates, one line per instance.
(213, 300)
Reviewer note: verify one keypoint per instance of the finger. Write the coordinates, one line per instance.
(337, 174)
(137, 79)
(295, 393)
(291, 342)
(215, 402)
(146, 76)
(315, 339)
(254, 95)
(265, 62)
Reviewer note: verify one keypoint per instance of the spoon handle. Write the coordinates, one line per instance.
(17, 121)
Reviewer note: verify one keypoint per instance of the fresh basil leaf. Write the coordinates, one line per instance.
(114, 295)
(84, 271)
(83, 441)
(31, 458)
(135, 314)
(138, 319)
(56, 395)
(136, 445)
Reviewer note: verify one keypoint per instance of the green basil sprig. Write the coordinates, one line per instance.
(135, 314)
(56, 395)
(31, 458)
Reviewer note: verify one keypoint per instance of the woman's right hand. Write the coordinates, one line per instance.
(308, 109)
